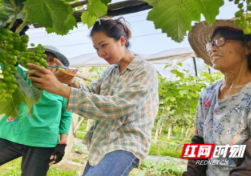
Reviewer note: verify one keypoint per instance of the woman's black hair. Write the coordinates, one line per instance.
(233, 34)
(114, 28)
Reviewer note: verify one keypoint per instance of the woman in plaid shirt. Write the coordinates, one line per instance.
(123, 101)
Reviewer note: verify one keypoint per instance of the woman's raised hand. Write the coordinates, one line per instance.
(64, 78)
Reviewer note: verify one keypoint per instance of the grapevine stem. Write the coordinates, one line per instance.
(15, 7)
(23, 24)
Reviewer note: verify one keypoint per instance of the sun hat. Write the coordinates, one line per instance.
(201, 34)
(57, 53)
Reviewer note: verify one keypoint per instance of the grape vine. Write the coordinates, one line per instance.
(243, 19)
(179, 98)
(14, 51)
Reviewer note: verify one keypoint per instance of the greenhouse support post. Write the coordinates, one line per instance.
(195, 67)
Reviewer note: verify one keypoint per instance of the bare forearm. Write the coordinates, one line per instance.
(75, 84)
(63, 138)
(64, 91)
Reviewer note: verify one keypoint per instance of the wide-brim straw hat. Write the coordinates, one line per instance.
(201, 34)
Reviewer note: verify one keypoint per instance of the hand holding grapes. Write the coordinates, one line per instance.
(13, 49)
(46, 80)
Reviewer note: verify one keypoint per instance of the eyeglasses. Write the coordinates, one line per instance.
(218, 42)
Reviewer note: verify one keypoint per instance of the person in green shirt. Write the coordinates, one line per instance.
(40, 139)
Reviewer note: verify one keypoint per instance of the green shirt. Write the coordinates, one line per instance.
(50, 119)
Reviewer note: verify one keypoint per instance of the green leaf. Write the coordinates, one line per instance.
(179, 64)
(79, 7)
(50, 14)
(68, 26)
(7, 14)
(19, 3)
(106, 1)
(151, 2)
(167, 66)
(178, 73)
(182, 13)
(172, 112)
(4, 17)
(172, 99)
(88, 19)
(206, 75)
(23, 94)
(193, 104)
(179, 116)
(96, 8)
(210, 9)
(169, 94)
(183, 92)
(32, 94)
(69, 1)
(12, 106)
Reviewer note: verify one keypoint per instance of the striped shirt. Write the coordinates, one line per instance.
(123, 105)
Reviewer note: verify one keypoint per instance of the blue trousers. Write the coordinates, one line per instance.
(117, 163)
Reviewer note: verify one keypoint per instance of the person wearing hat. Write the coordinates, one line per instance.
(53, 51)
(224, 109)
(40, 139)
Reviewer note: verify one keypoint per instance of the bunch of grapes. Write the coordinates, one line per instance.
(14, 50)
(35, 56)
(243, 20)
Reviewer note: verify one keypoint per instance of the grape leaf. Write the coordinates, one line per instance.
(151, 2)
(182, 13)
(3, 19)
(69, 1)
(68, 26)
(210, 9)
(88, 19)
(19, 4)
(178, 73)
(12, 106)
(23, 94)
(106, 1)
(50, 14)
(7, 11)
(10, 10)
(32, 94)
(96, 8)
